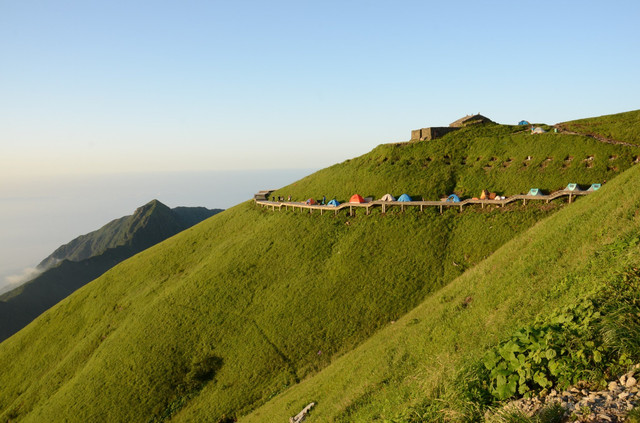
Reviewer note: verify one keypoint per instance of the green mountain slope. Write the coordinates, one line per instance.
(221, 318)
(413, 363)
(85, 258)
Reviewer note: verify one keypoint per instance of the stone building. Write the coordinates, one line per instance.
(428, 134)
(431, 133)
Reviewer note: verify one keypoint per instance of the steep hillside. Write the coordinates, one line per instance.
(221, 318)
(409, 368)
(85, 258)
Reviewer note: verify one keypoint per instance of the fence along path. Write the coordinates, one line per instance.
(402, 204)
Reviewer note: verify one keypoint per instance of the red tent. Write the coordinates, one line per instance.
(355, 198)
(311, 201)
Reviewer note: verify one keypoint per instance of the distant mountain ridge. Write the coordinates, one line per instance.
(88, 256)
(149, 225)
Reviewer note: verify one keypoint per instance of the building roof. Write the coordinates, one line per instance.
(469, 120)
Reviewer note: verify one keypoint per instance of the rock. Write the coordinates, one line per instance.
(623, 395)
(631, 381)
(623, 380)
(613, 386)
(604, 417)
(584, 392)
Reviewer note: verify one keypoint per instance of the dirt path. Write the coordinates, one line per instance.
(563, 130)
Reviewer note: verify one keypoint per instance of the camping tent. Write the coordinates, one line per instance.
(572, 187)
(388, 197)
(534, 191)
(404, 198)
(453, 198)
(355, 198)
(537, 130)
(333, 203)
(523, 122)
(594, 187)
(311, 201)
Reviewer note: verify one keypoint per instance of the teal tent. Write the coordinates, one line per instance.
(453, 199)
(594, 187)
(333, 203)
(404, 198)
(572, 187)
(534, 191)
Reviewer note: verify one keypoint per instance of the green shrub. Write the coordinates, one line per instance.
(586, 341)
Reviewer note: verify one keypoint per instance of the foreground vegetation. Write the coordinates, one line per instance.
(253, 314)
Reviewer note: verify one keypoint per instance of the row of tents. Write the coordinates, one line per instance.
(453, 198)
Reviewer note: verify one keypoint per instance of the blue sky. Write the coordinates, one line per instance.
(115, 86)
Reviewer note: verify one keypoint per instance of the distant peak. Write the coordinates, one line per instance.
(152, 205)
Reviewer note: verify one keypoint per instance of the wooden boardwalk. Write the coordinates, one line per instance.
(385, 205)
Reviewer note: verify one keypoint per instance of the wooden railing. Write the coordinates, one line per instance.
(422, 204)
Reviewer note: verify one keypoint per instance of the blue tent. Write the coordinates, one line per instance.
(333, 203)
(523, 122)
(534, 191)
(594, 187)
(453, 199)
(404, 197)
(572, 187)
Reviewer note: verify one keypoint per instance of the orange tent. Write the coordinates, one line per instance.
(355, 198)
(311, 201)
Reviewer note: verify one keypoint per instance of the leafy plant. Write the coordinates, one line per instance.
(581, 342)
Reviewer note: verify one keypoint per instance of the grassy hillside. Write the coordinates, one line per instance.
(251, 299)
(411, 370)
(504, 159)
(223, 317)
(621, 127)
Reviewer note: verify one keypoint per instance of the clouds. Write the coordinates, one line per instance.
(13, 281)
